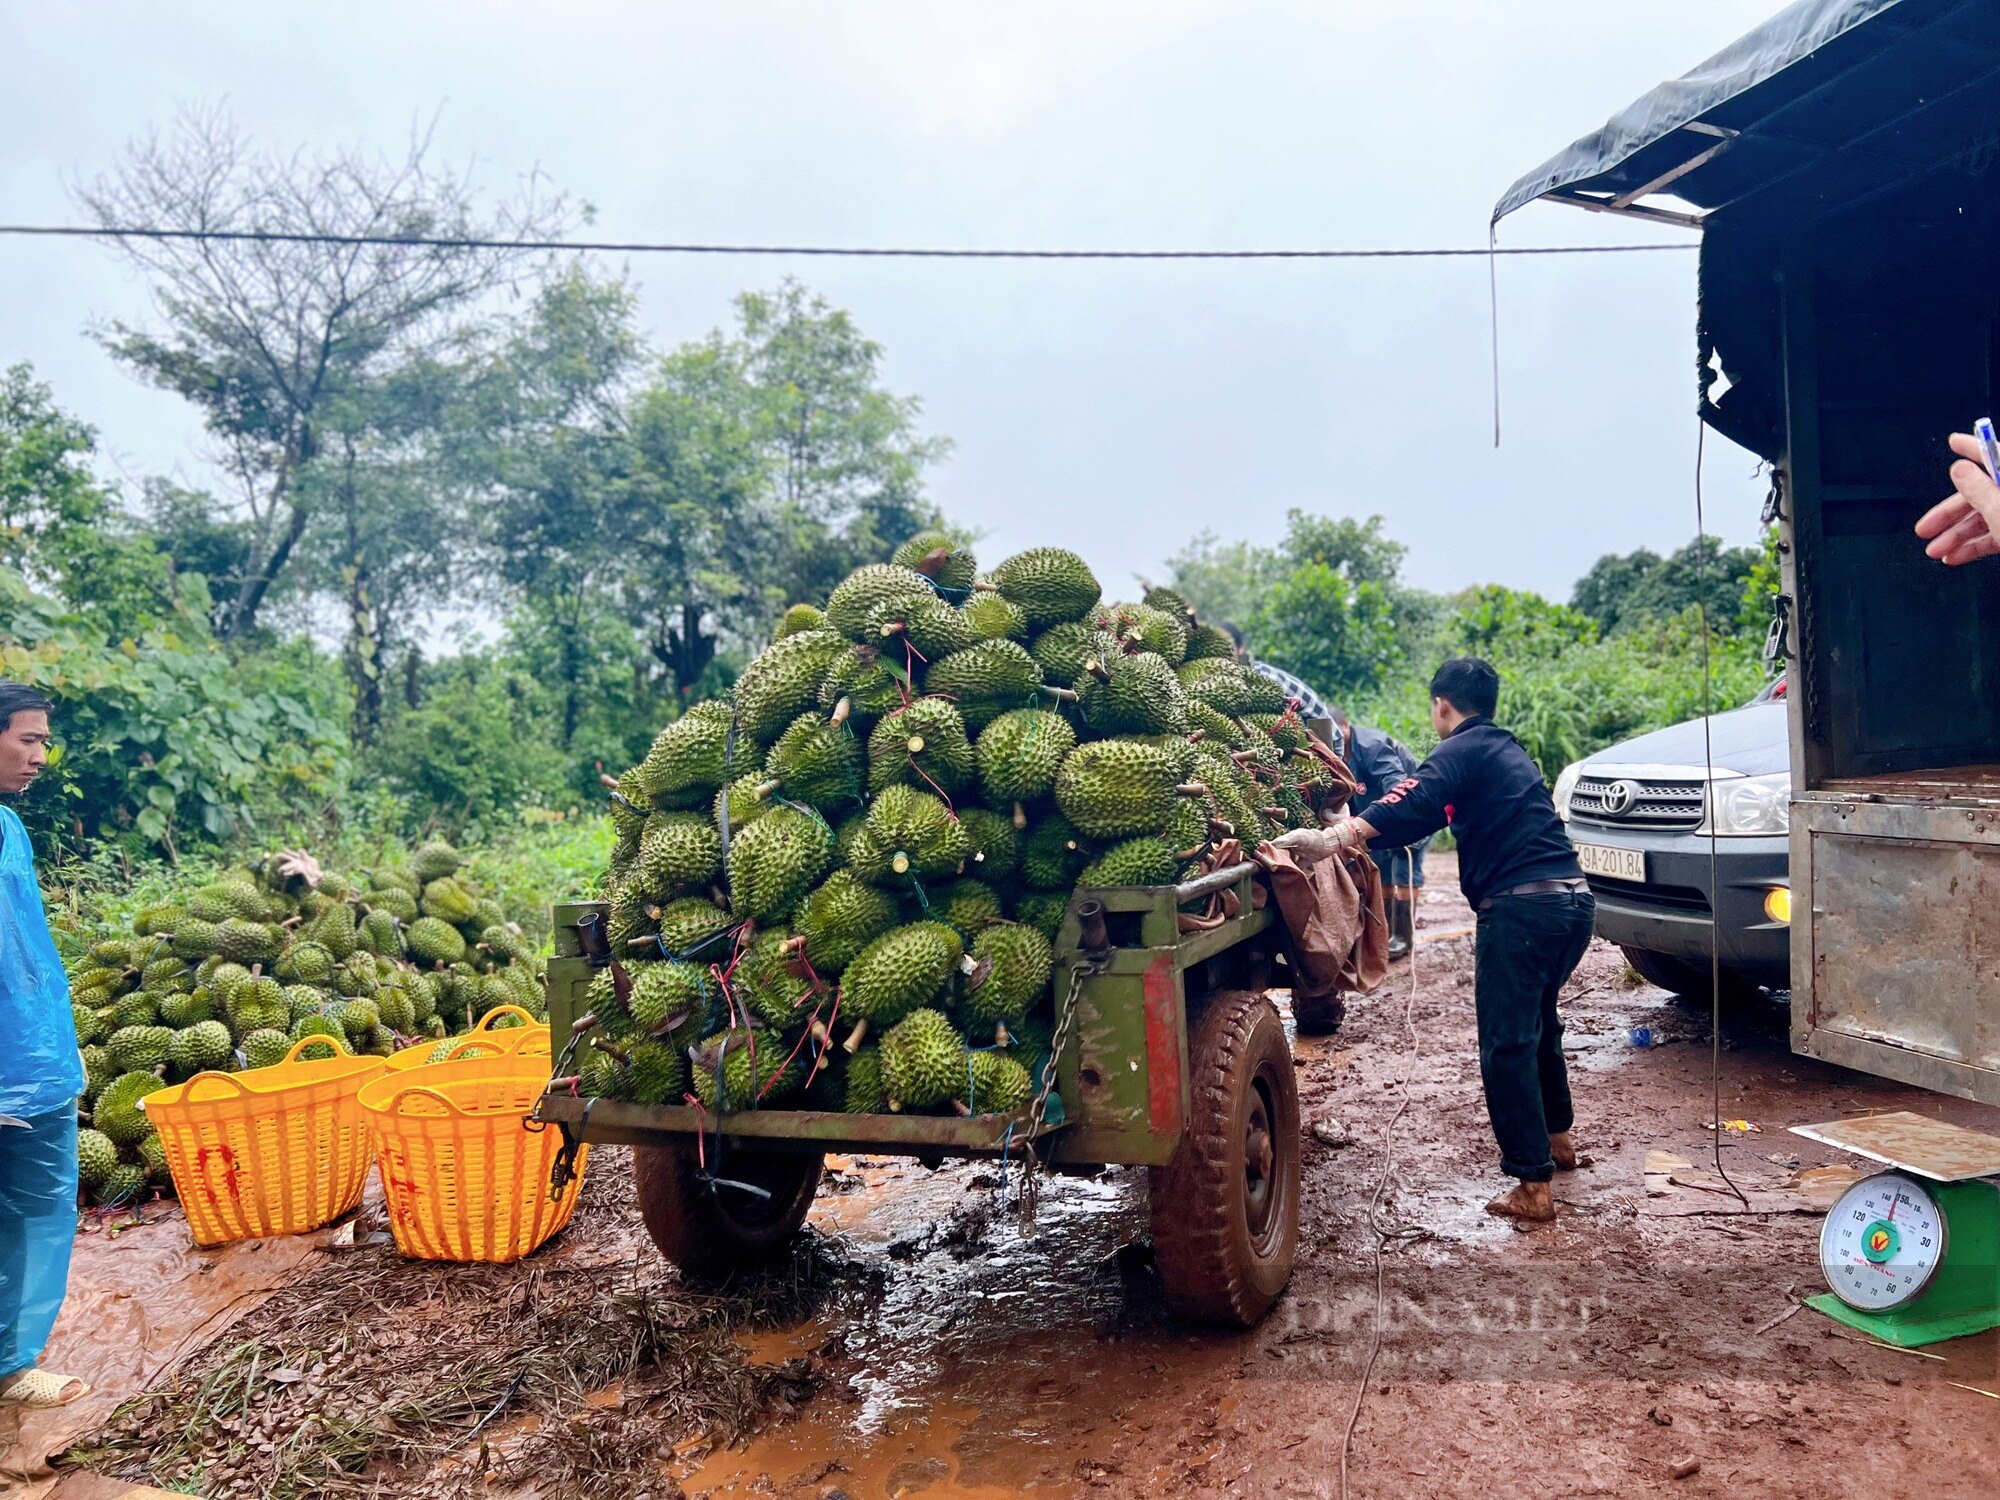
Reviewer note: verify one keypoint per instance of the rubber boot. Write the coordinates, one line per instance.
(1401, 914)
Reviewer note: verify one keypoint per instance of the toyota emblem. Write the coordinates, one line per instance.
(1619, 797)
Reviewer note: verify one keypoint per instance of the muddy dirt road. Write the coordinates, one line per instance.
(1647, 1341)
(1597, 1356)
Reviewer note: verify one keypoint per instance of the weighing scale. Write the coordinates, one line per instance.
(1912, 1255)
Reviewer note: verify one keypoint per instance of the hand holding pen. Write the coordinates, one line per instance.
(1965, 526)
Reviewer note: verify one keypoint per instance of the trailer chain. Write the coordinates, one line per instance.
(1031, 1164)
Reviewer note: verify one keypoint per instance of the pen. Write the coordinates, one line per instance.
(1983, 430)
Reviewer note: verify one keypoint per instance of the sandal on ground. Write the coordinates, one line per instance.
(38, 1388)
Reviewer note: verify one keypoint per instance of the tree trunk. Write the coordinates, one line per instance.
(242, 618)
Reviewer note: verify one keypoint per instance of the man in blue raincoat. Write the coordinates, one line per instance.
(41, 1074)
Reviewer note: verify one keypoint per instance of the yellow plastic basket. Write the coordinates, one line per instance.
(484, 1040)
(275, 1150)
(463, 1174)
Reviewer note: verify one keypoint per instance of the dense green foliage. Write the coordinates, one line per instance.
(1626, 655)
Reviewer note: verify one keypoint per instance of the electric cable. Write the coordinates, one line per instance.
(1708, 796)
(1375, 1203)
(859, 252)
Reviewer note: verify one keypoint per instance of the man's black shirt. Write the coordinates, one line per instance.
(1481, 782)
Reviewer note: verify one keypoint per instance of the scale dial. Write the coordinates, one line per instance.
(1882, 1242)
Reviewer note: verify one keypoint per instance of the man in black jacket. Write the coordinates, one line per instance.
(1518, 871)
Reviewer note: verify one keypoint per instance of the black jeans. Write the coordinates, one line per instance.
(1527, 947)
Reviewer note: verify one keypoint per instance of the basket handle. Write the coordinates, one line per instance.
(318, 1036)
(472, 1039)
(395, 1105)
(486, 1021)
(211, 1076)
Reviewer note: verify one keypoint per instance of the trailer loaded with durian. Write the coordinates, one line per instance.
(957, 869)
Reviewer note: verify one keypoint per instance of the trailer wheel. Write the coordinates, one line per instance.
(711, 1230)
(1225, 1210)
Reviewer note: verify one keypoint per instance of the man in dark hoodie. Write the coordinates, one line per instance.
(1518, 871)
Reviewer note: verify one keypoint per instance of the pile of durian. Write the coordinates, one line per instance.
(233, 975)
(839, 889)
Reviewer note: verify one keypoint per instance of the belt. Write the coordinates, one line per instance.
(1537, 888)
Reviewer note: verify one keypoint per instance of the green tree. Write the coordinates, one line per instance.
(1223, 580)
(1641, 586)
(275, 341)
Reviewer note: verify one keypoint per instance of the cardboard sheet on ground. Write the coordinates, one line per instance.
(1677, 1188)
(137, 1302)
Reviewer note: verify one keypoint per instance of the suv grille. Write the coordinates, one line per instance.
(1654, 804)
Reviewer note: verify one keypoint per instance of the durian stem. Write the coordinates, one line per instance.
(961, 1106)
(1097, 669)
(1192, 789)
(840, 712)
(894, 627)
(986, 588)
(855, 1037)
(1065, 695)
(1222, 828)
(932, 562)
(765, 789)
(606, 780)
(1001, 1036)
(1020, 817)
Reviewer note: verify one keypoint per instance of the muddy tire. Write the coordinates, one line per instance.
(1225, 1210)
(711, 1232)
(1318, 1015)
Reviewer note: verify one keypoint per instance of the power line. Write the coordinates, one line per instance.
(877, 252)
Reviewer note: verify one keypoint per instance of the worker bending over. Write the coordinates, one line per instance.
(1379, 763)
(1518, 871)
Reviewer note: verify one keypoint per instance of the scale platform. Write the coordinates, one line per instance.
(1933, 1273)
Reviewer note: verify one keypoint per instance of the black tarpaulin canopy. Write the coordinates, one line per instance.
(1828, 100)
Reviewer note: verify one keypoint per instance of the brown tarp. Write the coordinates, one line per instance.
(1331, 905)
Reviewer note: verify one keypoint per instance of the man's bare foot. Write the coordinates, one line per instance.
(1563, 1149)
(1533, 1201)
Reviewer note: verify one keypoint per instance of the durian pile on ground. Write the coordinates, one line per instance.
(839, 891)
(262, 958)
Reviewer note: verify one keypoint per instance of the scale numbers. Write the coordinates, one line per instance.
(1882, 1242)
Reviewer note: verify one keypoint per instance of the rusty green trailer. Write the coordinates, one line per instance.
(1174, 1059)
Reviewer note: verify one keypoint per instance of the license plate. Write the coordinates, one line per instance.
(1611, 861)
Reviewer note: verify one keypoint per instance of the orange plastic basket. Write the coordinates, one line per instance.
(463, 1174)
(484, 1040)
(276, 1150)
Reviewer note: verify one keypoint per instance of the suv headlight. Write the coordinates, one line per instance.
(1751, 804)
(1565, 784)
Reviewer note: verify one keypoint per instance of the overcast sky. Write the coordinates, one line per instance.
(1114, 408)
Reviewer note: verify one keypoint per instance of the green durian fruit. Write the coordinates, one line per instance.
(986, 680)
(434, 861)
(996, 845)
(1146, 860)
(434, 941)
(861, 1084)
(1053, 854)
(448, 901)
(908, 832)
(818, 760)
(903, 969)
(996, 1084)
(782, 683)
(757, 1069)
(1049, 584)
(923, 1061)
(678, 851)
(870, 682)
(117, 1112)
(967, 906)
(264, 1047)
(1218, 682)
(136, 1009)
(204, 1045)
(1140, 627)
(948, 564)
(922, 745)
(857, 597)
(1132, 695)
(669, 992)
(139, 1049)
(123, 1186)
(798, 619)
(96, 1155)
(776, 860)
(996, 619)
(922, 630)
(840, 918)
(1117, 788)
(1011, 966)
(1019, 754)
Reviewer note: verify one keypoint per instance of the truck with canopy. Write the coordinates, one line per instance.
(1842, 164)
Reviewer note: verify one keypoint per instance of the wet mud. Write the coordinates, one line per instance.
(1650, 1340)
